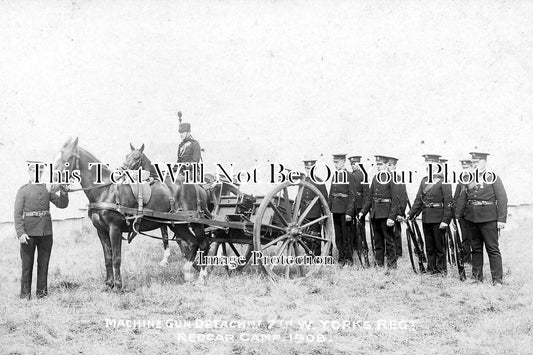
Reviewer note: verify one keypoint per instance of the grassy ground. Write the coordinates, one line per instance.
(392, 313)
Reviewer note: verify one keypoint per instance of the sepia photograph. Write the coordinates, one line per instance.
(266, 177)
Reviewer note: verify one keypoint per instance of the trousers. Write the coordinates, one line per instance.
(384, 242)
(43, 244)
(485, 234)
(343, 237)
(435, 247)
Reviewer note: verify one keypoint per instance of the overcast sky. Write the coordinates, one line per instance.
(284, 79)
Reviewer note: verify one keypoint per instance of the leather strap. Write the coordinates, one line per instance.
(339, 195)
(480, 203)
(36, 214)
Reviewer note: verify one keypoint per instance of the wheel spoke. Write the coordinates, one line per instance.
(281, 229)
(234, 249)
(280, 251)
(301, 269)
(287, 266)
(297, 203)
(278, 213)
(307, 249)
(224, 251)
(306, 235)
(314, 222)
(275, 241)
(308, 209)
(287, 203)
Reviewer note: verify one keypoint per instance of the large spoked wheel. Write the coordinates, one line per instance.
(293, 237)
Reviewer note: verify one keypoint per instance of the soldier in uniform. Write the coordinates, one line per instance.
(434, 199)
(484, 207)
(361, 195)
(402, 199)
(383, 212)
(33, 225)
(189, 150)
(341, 196)
(316, 210)
(466, 246)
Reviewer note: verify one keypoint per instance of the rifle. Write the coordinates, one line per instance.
(361, 233)
(411, 240)
(372, 239)
(459, 250)
(419, 238)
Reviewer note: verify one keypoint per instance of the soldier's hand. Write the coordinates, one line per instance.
(63, 189)
(390, 222)
(400, 218)
(24, 239)
(443, 225)
(348, 218)
(360, 215)
(501, 225)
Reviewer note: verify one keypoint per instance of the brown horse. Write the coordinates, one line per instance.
(137, 159)
(108, 221)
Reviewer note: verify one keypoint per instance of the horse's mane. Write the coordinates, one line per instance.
(91, 158)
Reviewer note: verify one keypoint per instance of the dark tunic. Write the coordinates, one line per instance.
(428, 199)
(189, 151)
(34, 198)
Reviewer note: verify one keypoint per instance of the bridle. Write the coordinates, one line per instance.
(76, 163)
(138, 164)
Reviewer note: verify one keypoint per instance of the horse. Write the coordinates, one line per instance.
(136, 159)
(109, 222)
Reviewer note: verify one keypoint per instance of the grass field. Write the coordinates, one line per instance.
(396, 312)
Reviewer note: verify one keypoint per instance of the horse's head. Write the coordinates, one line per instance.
(134, 159)
(66, 159)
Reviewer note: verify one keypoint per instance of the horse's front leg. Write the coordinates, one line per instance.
(166, 249)
(202, 244)
(108, 257)
(115, 233)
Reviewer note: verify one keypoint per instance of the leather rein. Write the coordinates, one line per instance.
(76, 161)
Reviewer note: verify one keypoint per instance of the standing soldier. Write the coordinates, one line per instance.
(402, 200)
(434, 199)
(383, 213)
(484, 206)
(341, 196)
(33, 225)
(466, 245)
(361, 195)
(316, 210)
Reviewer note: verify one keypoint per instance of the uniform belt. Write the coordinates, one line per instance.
(339, 195)
(433, 204)
(479, 203)
(382, 200)
(35, 214)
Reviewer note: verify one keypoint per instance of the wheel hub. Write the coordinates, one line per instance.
(293, 231)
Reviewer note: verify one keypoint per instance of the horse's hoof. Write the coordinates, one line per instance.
(188, 276)
(163, 263)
